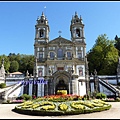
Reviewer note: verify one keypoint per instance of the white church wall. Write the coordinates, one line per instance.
(82, 88)
(75, 87)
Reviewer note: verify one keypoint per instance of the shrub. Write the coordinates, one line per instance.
(26, 97)
(118, 99)
(8, 101)
(19, 98)
(2, 85)
(100, 95)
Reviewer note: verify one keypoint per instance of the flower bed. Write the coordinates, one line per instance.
(57, 106)
(13, 101)
(111, 99)
(17, 101)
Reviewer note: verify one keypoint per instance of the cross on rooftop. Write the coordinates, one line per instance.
(59, 33)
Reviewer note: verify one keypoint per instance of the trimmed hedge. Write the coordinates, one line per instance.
(2, 85)
(61, 108)
(24, 97)
(101, 95)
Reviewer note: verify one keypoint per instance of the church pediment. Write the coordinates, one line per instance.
(60, 40)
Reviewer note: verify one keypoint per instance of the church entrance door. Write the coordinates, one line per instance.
(61, 86)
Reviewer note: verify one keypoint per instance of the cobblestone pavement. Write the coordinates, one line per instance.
(113, 112)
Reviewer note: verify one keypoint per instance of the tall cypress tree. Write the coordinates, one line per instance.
(117, 43)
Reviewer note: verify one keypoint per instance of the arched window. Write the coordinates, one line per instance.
(77, 32)
(41, 33)
(81, 32)
(40, 72)
(79, 54)
(41, 21)
(40, 55)
(60, 53)
(69, 55)
(80, 69)
(52, 55)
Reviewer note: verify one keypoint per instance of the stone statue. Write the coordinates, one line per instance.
(2, 70)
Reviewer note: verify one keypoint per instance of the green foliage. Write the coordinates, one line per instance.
(20, 98)
(118, 99)
(44, 107)
(117, 43)
(100, 95)
(6, 62)
(2, 85)
(26, 97)
(18, 62)
(103, 56)
(8, 101)
(14, 66)
(26, 63)
(93, 94)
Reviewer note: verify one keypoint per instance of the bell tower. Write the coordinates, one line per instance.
(77, 29)
(42, 29)
(41, 39)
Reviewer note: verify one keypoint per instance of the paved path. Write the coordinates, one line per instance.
(113, 112)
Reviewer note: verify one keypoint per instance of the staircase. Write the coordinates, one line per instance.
(111, 87)
(5, 92)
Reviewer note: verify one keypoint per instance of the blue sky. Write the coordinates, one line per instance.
(18, 19)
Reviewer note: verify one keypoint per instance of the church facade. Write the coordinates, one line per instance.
(61, 62)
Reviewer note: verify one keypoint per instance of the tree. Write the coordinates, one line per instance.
(103, 56)
(6, 62)
(26, 63)
(13, 56)
(18, 62)
(117, 43)
(14, 66)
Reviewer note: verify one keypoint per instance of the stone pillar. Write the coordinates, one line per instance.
(30, 86)
(87, 77)
(96, 81)
(45, 89)
(39, 89)
(35, 87)
(69, 88)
